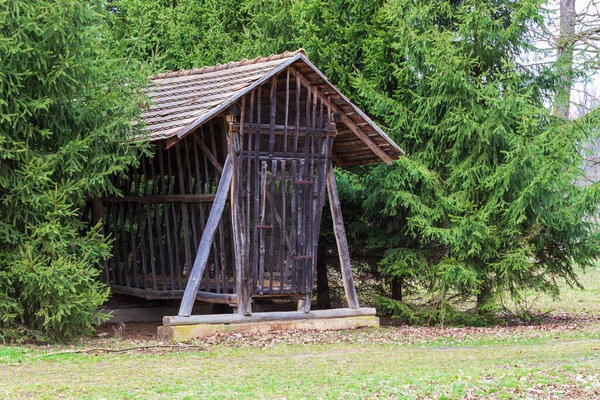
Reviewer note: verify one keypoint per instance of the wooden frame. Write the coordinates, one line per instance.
(270, 157)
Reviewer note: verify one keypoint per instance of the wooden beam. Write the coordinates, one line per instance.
(240, 237)
(346, 120)
(340, 238)
(208, 153)
(207, 238)
(162, 198)
(152, 294)
(267, 316)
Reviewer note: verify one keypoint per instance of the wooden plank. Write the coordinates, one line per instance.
(272, 260)
(240, 237)
(256, 172)
(151, 294)
(148, 212)
(272, 114)
(205, 243)
(260, 232)
(287, 109)
(340, 238)
(209, 155)
(184, 211)
(282, 223)
(165, 190)
(132, 240)
(141, 226)
(266, 316)
(158, 222)
(175, 225)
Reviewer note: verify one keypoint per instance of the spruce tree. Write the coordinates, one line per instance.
(66, 109)
(486, 202)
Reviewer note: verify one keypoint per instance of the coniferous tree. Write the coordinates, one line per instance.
(66, 109)
(486, 202)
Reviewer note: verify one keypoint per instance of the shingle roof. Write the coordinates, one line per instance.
(183, 100)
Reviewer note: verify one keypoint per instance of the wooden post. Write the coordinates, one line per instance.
(185, 310)
(340, 238)
(240, 235)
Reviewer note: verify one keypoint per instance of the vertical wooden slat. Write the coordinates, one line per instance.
(272, 261)
(165, 184)
(148, 211)
(287, 109)
(256, 172)
(200, 186)
(293, 227)
(240, 239)
(175, 225)
(184, 209)
(272, 114)
(158, 222)
(208, 181)
(218, 246)
(221, 236)
(284, 249)
(249, 181)
(297, 122)
(260, 229)
(140, 226)
(132, 240)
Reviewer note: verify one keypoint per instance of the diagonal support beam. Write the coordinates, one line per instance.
(209, 155)
(340, 238)
(216, 211)
(346, 120)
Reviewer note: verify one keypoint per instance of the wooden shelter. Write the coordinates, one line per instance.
(229, 207)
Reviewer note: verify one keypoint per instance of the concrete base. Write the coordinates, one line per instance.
(182, 333)
(150, 314)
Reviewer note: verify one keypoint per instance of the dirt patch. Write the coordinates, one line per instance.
(136, 331)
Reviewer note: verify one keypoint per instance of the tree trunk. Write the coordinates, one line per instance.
(564, 57)
(397, 288)
(323, 298)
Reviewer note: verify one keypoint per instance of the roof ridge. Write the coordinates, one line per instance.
(231, 64)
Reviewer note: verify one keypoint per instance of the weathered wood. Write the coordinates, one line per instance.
(260, 232)
(164, 198)
(346, 120)
(140, 224)
(287, 109)
(340, 238)
(220, 232)
(255, 245)
(207, 237)
(184, 212)
(208, 154)
(272, 197)
(165, 190)
(151, 294)
(272, 114)
(158, 220)
(266, 316)
(240, 235)
(148, 212)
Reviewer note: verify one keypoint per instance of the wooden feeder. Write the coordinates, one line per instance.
(262, 135)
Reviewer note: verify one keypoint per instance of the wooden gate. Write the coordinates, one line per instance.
(280, 163)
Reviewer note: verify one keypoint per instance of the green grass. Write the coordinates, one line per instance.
(557, 360)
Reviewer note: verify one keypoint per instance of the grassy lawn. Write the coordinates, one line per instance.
(554, 360)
